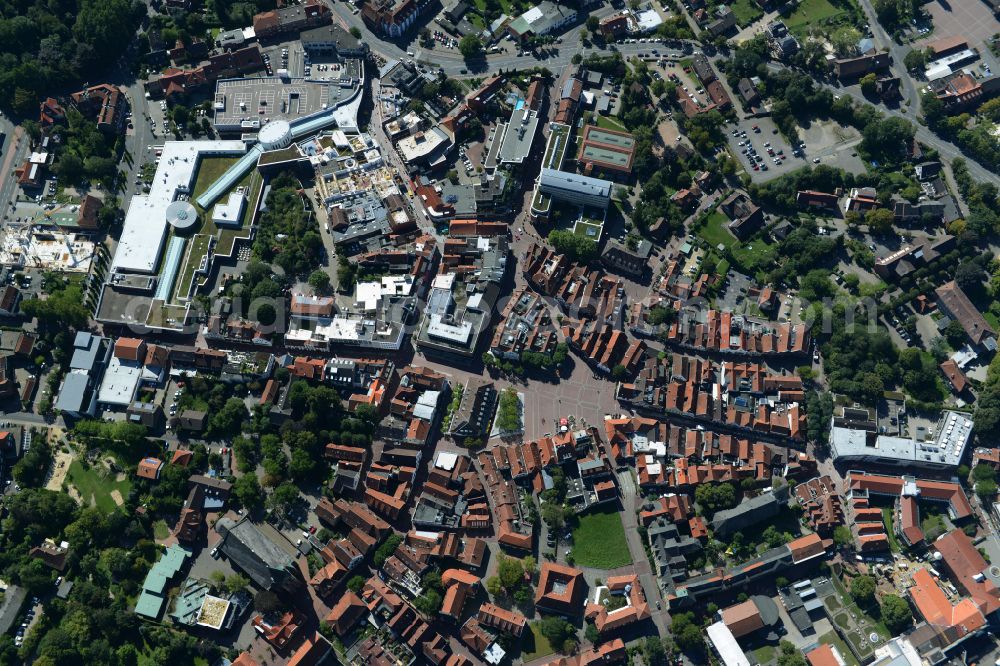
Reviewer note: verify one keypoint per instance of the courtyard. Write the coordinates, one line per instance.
(599, 540)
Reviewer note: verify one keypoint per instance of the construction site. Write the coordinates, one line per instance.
(28, 247)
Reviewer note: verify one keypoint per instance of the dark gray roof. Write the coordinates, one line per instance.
(12, 602)
(86, 351)
(258, 549)
(74, 393)
(745, 514)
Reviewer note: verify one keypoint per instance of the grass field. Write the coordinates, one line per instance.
(196, 249)
(836, 641)
(715, 231)
(599, 540)
(810, 13)
(746, 12)
(887, 520)
(607, 122)
(209, 170)
(845, 621)
(933, 527)
(764, 654)
(749, 257)
(534, 644)
(588, 230)
(94, 487)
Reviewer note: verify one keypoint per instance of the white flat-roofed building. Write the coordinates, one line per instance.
(145, 227)
(429, 146)
(457, 333)
(576, 189)
(228, 213)
(647, 21)
(944, 450)
(121, 381)
(725, 645)
(367, 295)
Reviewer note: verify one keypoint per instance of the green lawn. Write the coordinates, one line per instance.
(160, 529)
(607, 122)
(94, 487)
(746, 12)
(836, 641)
(843, 620)
(197, 247)
(588, 230)
(764, 654)
(933, 527)
(887, 520)
(534, 644)
(209, 171)
(715, 231)
(505, 7)
(750, 257)
(599, 540)
(810, 13)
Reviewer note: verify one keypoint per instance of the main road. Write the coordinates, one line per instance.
(455, 65)
(925, 136)
(16, 145)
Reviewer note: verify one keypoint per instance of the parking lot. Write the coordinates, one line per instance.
(824, 143)
(972, 20)
(761, 150)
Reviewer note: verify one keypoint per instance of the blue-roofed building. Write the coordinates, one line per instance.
(154, 588)
(88, 351)
(78, 394)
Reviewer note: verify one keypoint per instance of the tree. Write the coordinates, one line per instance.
(576, 248)
(686, 632)
(356, 32)
(347, 274)
(915, 60)
(356, 583)
(661, 315)
(470, 46)
(789, 655)
(987, 489)
(510, 571)
(319, 280)
(556, 630)
(248, 491)
(842, 535)
(653, 651)
(593, 24)
(387, 548)
(283, 497)
(969, 276)
(69, 169)
(863, 590)
(896, 613)
(880, 221)
(954, 333)
(554, 515)
(714, 497)
(845, 41)
(236, 583)
(868, 82)
(619, 372)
